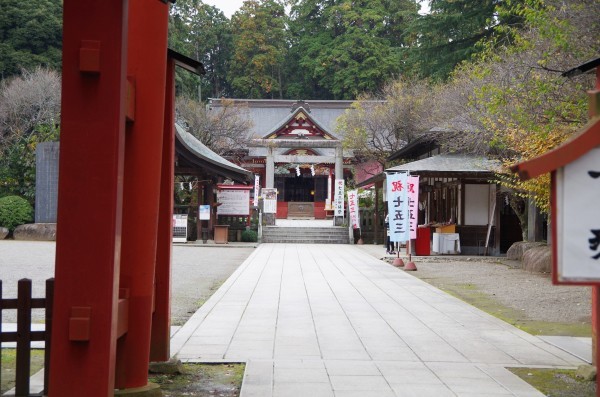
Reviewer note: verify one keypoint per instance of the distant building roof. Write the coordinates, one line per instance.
(576, 71)
(197, 154)
(416, 148)
(267, 114)
(446, 164)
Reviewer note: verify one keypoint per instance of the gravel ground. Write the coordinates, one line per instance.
(532, 293)
(502, 279)
(196, 273)
(199, 270)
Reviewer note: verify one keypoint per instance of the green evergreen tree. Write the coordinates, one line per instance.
(450, 33)
(202, 32)
(259, 39)
(30, 35)
(346, 47)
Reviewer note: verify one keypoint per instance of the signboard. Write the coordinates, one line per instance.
(413, 205)
(338, 198)
(180, 223)
(256, 189)
(204, 212)
(397, 194)
(233, 202)
(577, 216)
(353, 213)
(269, 200)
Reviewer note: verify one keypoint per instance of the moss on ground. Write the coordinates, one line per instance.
(202, 380)
(473, 296)
(8, 366)
(551, 382)
(556, 382)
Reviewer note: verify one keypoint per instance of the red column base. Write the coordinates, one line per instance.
(150, 390)
(398, 262)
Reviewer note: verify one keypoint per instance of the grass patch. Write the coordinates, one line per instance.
(473, 296)
(202, 380)
(556, 382)
(9, 366)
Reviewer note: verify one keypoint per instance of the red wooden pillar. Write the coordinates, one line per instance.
(147, 56)
(90, 205)
(161, 319)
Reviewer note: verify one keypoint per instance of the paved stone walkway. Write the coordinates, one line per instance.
(332, 320)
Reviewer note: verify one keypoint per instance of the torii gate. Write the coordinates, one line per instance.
(574, 151)
(115, 201)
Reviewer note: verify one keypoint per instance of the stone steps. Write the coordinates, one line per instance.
(304, 235)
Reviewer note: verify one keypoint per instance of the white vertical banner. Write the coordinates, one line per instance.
(256, 189)
(353, 213)
(339, 198)
(398, 206)
(413, 205)
(328, 200)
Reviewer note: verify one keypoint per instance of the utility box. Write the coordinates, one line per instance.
(446, 243)
(221, 234)
(446, 229)
(423, 243)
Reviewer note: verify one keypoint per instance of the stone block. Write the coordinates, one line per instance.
(36, 232)
(538, 259)
(173, 366)
(3, 233)
(516, 251)
(586, 372)
(46, 182)
(150, 390)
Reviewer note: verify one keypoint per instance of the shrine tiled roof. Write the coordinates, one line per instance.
(200, 155)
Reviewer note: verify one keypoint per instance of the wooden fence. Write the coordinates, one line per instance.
(367, 227)
(238, 223)
(23, 304)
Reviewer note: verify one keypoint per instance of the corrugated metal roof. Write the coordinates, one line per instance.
(450, 163)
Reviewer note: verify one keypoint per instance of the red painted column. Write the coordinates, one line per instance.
(161, 319)
(147, 52)
(89, 198)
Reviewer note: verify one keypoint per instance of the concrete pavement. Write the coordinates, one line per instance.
(332, 320)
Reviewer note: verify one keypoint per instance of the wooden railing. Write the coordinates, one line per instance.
(23, 336)
(371, 234)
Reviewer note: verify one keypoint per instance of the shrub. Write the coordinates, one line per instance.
(14, 211)
(249, 236)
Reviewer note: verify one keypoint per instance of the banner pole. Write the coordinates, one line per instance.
(410, 265)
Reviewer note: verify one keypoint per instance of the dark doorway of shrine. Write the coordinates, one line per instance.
(301, 196)
(303, 188)
(300, 189)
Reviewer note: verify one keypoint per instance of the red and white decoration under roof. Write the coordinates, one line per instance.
(300, 126)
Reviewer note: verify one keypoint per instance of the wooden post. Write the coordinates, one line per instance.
(146, 68)
(23, 338)
(161, 318)
(92, 138)
(49, 307)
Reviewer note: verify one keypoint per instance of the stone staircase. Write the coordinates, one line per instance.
(305, 235)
